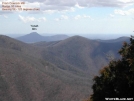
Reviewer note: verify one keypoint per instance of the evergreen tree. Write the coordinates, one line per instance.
(117, 79)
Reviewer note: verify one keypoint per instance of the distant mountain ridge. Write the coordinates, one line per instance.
(120, 39)
(51, 71)
(80, 52)
(26, 76)
(35, 37)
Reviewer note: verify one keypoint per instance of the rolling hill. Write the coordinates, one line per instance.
(35, 37)
(51, 71)
(120, 39)
(81, 53)
(26, 76)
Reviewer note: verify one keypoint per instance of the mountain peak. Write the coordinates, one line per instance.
(77, 39)
(74, 41)
(35, 37)
(32, 37)
(34, 33)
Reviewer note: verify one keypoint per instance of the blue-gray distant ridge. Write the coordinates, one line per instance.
(35, 37)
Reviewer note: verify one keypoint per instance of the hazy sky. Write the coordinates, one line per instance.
(70, 16)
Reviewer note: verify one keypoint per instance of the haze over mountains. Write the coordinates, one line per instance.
(35, 37)
(82, 53)
(120, 39)
(52, 71)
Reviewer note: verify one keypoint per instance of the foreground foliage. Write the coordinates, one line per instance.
(117, 79)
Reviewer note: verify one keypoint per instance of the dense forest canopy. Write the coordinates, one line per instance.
(117, 79)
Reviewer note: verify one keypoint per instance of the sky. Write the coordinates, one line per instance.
(81, 17)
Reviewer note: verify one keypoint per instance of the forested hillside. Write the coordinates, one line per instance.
(51, 71)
